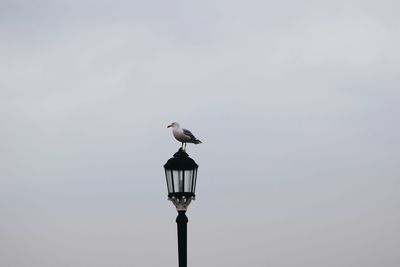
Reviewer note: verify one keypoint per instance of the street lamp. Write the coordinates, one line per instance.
(181, 174)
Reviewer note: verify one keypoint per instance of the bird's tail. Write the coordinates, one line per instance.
(197, 141)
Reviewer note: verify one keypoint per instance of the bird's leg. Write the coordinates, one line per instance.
(182, 146)
(185, 147)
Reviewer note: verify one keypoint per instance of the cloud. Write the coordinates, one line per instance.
(296, 104)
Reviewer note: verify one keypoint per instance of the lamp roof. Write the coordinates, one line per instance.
(181, 161)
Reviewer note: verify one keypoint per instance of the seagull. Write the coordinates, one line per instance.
(182, 135)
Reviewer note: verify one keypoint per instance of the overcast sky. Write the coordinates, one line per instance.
(297, 104)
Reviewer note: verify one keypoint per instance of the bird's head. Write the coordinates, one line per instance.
(173, 125)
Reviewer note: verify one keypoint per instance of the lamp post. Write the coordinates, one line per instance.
(181, 174)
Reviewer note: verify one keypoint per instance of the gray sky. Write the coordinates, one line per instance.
(296, 102)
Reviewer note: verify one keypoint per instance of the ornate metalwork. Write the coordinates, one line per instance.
(181, 203)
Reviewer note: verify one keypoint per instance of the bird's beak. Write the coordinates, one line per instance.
(169, 126)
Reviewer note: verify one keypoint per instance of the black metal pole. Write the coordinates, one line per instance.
(181, 222)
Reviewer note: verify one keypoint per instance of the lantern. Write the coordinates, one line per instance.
(181, 174)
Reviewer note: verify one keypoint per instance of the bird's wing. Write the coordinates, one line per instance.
(189, 133)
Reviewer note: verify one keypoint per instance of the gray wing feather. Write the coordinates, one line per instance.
(189, 133)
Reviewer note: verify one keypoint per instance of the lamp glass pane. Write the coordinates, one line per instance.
(178, 180)
(168, 174)
(194, 180)
(188, 180)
